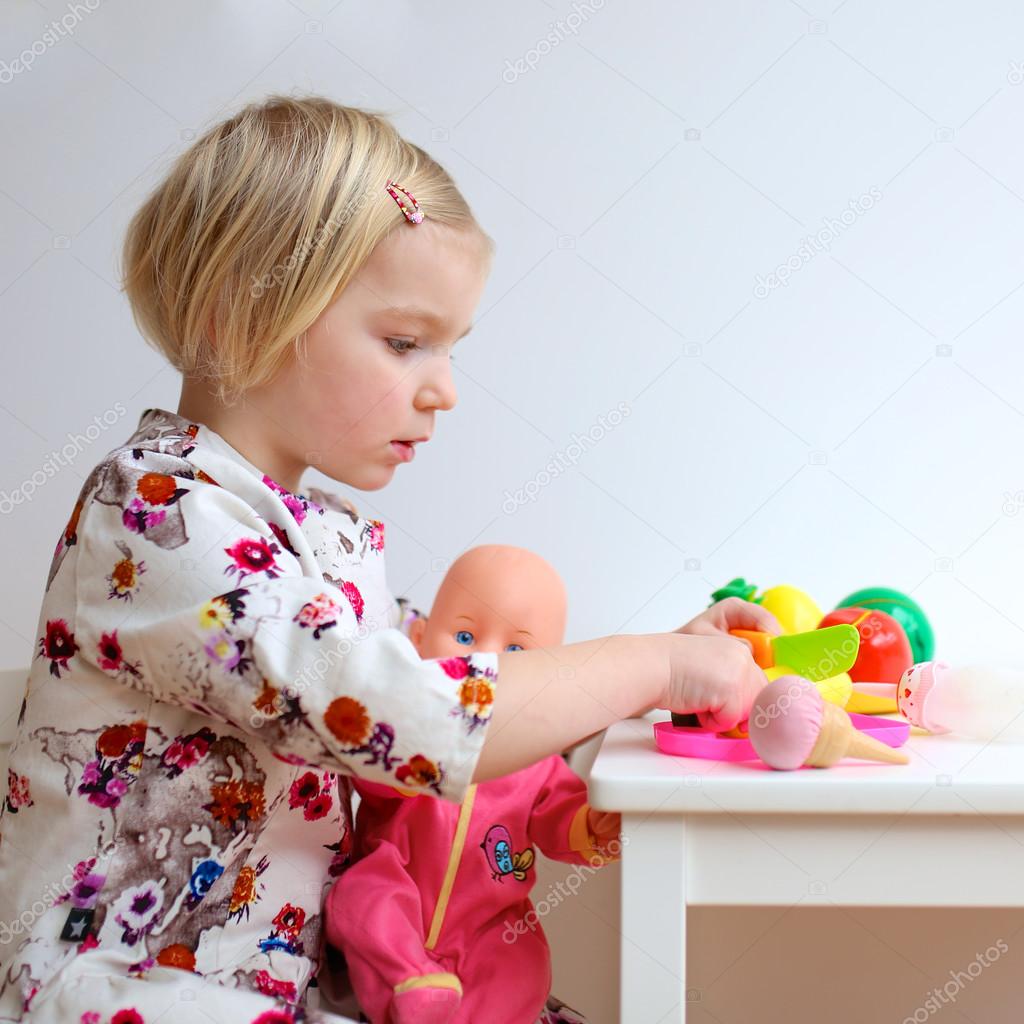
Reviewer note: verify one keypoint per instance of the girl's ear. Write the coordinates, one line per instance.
(416, 630)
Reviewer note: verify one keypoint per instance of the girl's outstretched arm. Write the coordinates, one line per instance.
(549, 698)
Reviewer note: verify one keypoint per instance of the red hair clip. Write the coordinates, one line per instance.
(412, 212)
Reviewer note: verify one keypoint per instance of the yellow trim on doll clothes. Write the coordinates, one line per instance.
(440, 979)
(582, 841)
(458, 843)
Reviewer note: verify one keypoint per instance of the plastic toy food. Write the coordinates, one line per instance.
(816, 654)
(791, 725)
(796, 611)
(883, 657)
(905, 610)
(972, 700)
(836, 690)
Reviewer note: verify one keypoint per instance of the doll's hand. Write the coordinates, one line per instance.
(604, 826)
(732, 613)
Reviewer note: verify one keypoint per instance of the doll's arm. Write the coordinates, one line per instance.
(562, 823)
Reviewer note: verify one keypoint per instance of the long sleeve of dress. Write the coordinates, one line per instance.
(189, 593)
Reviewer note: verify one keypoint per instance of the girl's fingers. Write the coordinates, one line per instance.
(739, 614)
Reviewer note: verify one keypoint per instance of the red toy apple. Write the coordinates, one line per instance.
(884, 653)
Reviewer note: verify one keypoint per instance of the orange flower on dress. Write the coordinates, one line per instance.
(72, 527)
(239, 798)
(177, 955)
(268, 700)
(476, 697)
(124, 577)
(246, 890)
(348, 720)
(420, 771)
(113, 742)
(156, 488)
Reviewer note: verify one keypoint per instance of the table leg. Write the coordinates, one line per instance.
(653, 943)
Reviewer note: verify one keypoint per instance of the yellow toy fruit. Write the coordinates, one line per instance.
(869, 704)
(795, 610)
(836, 689)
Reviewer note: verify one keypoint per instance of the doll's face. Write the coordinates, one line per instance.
(494, 598)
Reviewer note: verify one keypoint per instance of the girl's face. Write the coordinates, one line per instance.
(376, 366)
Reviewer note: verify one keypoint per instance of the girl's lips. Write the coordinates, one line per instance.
(405, 451)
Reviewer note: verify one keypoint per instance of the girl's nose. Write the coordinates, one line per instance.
(438, 390)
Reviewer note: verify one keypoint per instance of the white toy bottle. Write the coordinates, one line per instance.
(978, 701)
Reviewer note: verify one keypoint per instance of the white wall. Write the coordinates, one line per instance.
(861, 424)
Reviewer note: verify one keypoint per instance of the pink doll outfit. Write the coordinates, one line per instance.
(436, 906)
(215, 659)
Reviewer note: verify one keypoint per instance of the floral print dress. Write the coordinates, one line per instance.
(215, 659)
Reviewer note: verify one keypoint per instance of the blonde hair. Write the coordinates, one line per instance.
(259, 226)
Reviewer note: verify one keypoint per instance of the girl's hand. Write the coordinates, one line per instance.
(732, 613)
(713, 675)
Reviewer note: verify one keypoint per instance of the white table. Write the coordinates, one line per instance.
(947, 830)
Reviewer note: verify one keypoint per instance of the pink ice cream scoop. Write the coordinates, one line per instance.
(791, 725)
(913, 691)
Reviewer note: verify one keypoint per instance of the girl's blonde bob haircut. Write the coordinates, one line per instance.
(262, 223)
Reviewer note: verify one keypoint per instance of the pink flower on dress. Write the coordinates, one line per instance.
(318, 807)
(18, 793)
(129, 1016)
(137, 518)
(187, 751)
(375, 531)
(271, 986)
(58, 644)
(223, 650)
(110, 657)
(351, 591)
(253, 555)
(274, 1017)
(318, 614)
(456, 668)
(304, 789)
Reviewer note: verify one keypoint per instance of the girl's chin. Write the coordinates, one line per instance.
(373, 479)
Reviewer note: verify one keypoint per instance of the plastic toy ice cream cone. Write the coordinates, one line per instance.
(791, 725)
(838, 739)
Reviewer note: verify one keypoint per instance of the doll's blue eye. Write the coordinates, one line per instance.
(464, 637)
(513, 647)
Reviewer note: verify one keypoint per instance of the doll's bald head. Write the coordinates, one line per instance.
(492, 597)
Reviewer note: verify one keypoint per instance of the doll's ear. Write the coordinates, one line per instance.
(416, 630)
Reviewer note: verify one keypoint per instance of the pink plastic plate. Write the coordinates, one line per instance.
(682, 741)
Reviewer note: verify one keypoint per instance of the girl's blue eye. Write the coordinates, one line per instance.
(464, 637)
(394, 342)
(513, 647)
(402, 345)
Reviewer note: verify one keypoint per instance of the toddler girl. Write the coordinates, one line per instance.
(211, 634)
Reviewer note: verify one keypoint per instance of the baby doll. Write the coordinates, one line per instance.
(434, 916)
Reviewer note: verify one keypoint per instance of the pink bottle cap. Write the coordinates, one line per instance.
(913, 690)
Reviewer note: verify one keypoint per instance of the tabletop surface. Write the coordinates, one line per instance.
(946, 776)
